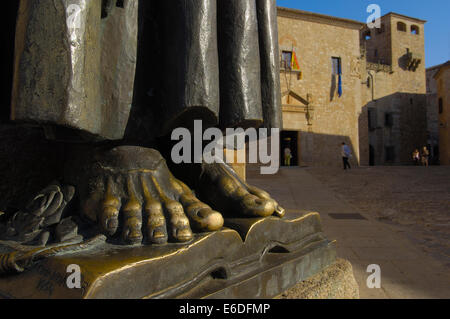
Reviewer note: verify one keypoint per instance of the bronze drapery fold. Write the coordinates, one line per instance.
(77, 65)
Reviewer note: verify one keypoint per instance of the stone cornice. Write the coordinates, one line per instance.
(336, 21)
(320, 18)
(398, 15)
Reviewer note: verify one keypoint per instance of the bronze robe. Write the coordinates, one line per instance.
(112, 69)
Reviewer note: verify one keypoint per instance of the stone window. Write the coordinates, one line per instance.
(336, 66)
(441, 106)
(286, 60)
(401, 26)
(415, 30)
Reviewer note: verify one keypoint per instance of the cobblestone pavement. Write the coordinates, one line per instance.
(394, 217)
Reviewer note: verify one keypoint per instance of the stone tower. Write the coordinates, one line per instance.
(399, 43)
(395, 96)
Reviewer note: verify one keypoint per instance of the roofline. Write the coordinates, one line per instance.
(289, 12)
(404, 16)
(444, 66)
(296, 13)
(437, 66)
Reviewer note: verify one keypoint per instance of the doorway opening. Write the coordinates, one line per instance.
(289, 145)
(371, 155)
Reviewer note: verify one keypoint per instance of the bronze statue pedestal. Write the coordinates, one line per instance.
(249, 258)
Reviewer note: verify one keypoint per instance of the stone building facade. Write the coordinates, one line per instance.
(442, 78)
(395, 92)
(316, 119)
(433, 113)
(365, 87)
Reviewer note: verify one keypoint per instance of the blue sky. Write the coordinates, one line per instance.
(436, 12)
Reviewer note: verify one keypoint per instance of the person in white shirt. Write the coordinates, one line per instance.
(346, 155)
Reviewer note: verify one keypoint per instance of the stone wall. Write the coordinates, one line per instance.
(378, 47)
(408, 81)
(383, 73)
(443, 89)
(395, 94)
(332, 119)
(433, 112)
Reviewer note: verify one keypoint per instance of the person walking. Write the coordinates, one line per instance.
(346, 155)
(425, 156)
(287, 156)
(416, 156)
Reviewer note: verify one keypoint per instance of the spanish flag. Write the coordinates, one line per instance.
(294, 63)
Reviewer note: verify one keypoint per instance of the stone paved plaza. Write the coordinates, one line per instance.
(409, 269)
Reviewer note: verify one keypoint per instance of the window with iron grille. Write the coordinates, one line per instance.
(401, 26)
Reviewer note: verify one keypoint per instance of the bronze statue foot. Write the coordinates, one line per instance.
(131, 191)
(225, 191)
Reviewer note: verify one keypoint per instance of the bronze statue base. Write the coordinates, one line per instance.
(249, 258)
